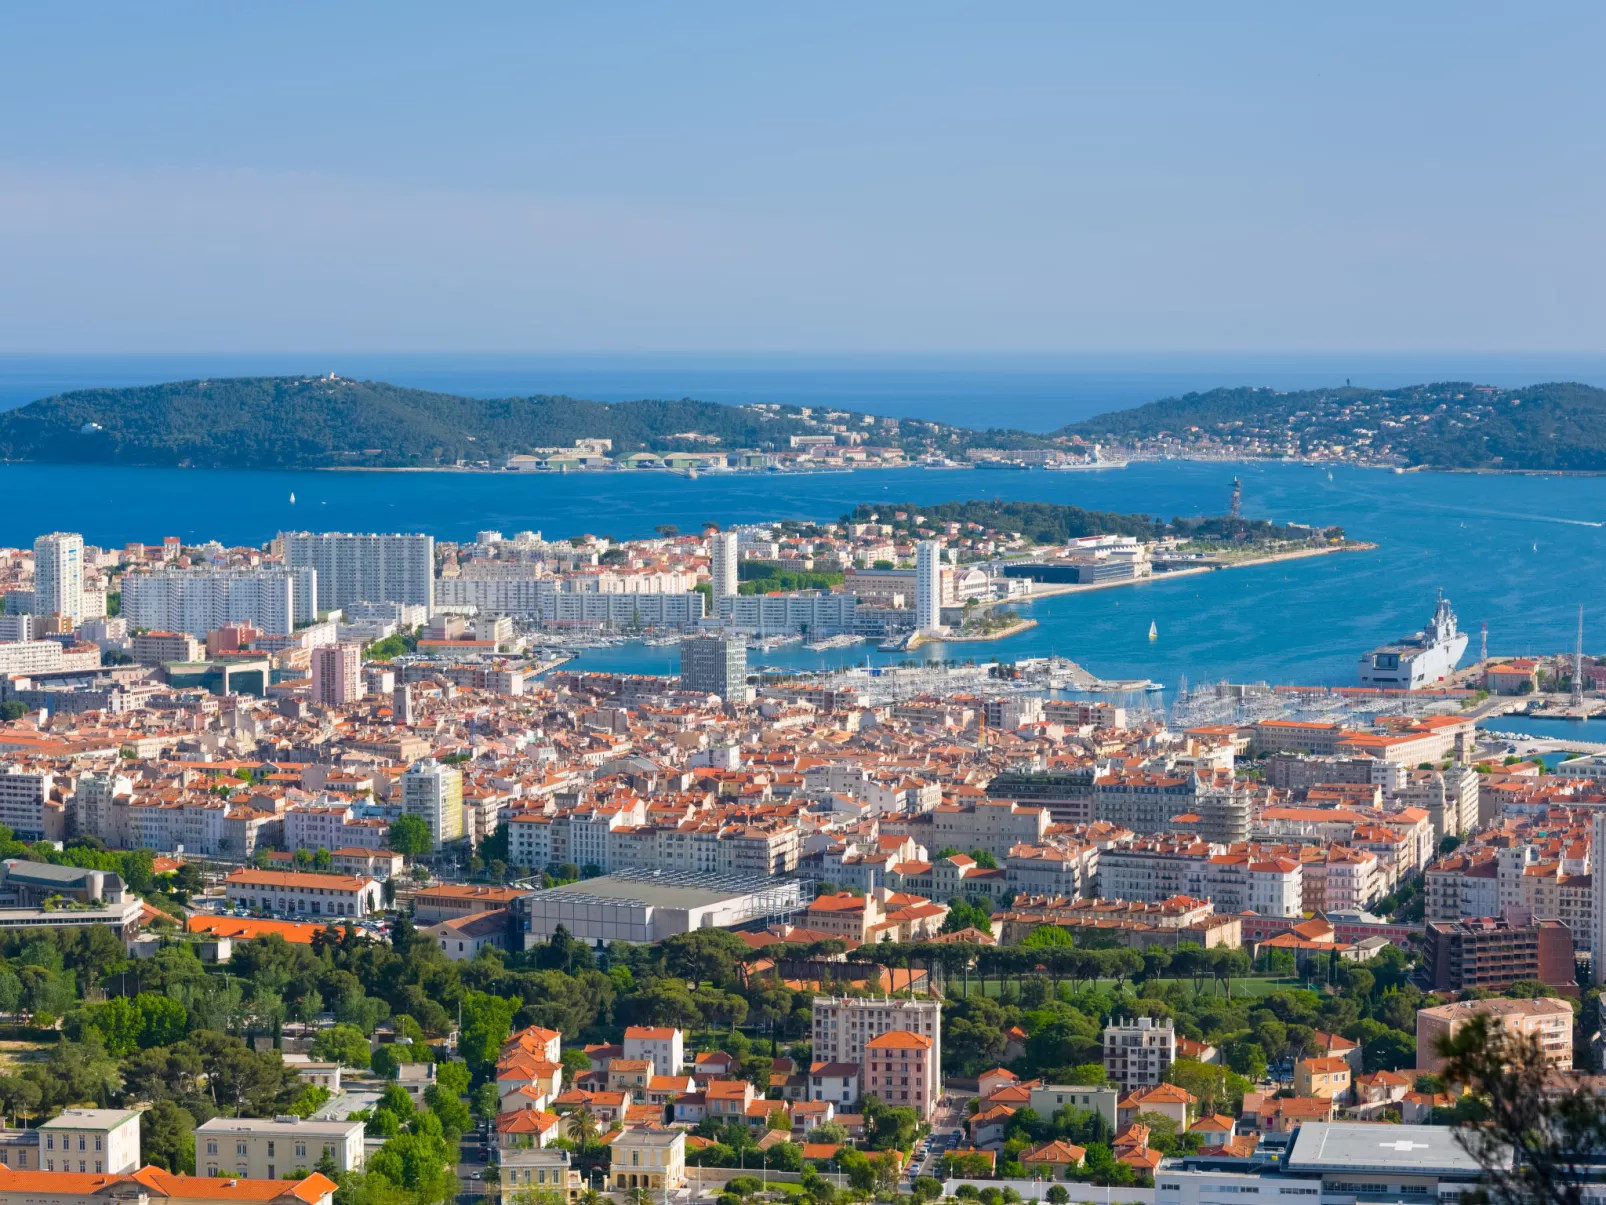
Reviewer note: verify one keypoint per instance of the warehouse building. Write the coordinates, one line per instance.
(645, 906)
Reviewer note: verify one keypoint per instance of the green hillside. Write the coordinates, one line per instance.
(1452, 425)
(283, 422)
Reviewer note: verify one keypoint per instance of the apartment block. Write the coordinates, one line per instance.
(1139, 1052)
(843, 1025)
(1549, 1021)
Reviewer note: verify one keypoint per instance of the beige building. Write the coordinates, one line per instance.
(1549, 1020)
(843, 1025)
(263, 1149)
(648, 1158)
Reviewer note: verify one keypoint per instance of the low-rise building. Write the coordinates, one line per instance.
(275, 1148)
(648, 1157)
(91, 1140)
(308, 894)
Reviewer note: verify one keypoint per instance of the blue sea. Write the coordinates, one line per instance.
(1519, 553)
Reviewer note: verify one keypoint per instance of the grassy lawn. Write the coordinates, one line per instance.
(14, 1054)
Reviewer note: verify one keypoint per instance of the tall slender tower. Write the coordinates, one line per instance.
(58, 576)
(723, 565)
(928, 586)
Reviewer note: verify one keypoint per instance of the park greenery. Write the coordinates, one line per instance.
(1058, 523)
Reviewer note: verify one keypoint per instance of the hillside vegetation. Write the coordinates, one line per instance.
(1057, 523)
(277, 422)
(311, 422)
(1451, 425)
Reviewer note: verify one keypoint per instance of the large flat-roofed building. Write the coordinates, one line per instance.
(646, 905)
(1550, 1021)
(1333, 1161)
(35, 882)
(267, 1149)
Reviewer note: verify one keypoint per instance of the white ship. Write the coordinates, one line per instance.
(1417, 661)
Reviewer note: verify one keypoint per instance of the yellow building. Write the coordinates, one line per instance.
(648, 1158)
(1324, 1078)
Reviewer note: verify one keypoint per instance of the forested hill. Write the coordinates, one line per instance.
(281, 422)
(1445, 425)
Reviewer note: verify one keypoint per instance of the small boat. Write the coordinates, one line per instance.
(292, 497)
(1154, 632)
(1329, 474)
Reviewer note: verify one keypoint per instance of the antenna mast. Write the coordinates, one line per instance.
(1578, 664)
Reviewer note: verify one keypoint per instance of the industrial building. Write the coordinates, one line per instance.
(644, 906)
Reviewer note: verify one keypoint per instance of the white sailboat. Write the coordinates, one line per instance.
(292, 497)
(1154, 632)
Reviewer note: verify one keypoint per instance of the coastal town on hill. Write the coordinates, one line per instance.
(329, 872)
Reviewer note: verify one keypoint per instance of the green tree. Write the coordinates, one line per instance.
(167, 1137)
(342, 1044)
(409, 835)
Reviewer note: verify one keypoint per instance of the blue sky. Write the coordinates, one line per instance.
(900, 177)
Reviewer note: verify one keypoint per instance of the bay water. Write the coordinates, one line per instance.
(1517, 552)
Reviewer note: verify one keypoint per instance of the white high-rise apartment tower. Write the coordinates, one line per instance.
(365, 568)
(58, 576)
(928, 586)
(273, 599)
(1598, 890)
(434, 793)
(724, 564)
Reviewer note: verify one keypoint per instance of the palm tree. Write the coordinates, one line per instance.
(584, 1124)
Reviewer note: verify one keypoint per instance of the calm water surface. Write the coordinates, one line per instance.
(1520, 553)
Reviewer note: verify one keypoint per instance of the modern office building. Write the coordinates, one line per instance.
(58, 576)
(715, 665)
(434, 793)
(273, 599)
(928, 586)
(724, 564)
(365, 568)
(336, 674)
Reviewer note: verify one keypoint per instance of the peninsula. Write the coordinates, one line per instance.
(334, 422)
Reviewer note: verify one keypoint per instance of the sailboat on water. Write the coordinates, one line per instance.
(1154, 632)
(292, 497)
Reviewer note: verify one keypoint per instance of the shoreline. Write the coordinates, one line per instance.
(1392, 469)
(1014, 629)
(1270, 558)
